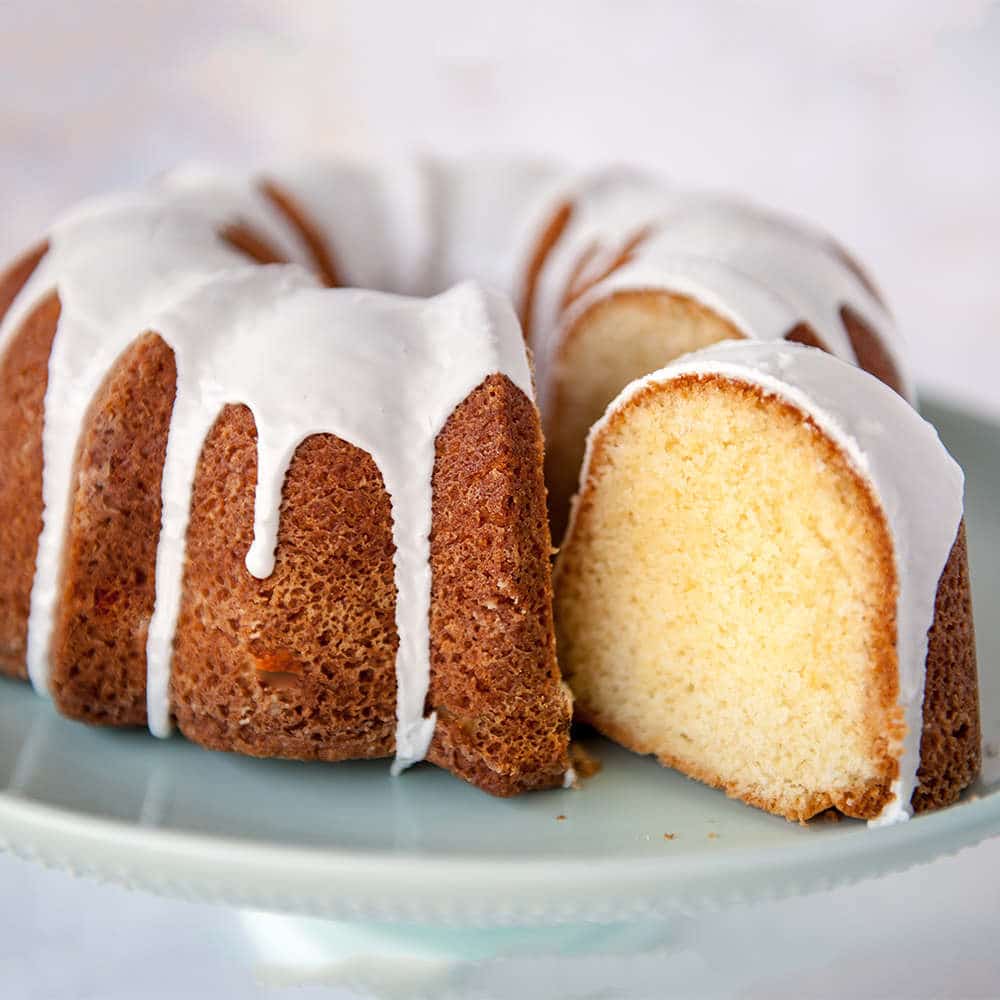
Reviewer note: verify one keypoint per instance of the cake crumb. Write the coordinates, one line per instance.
(585, 765)
(669, 836)
(992, 750)
(561, 817)
(826, 816)
(713, 836)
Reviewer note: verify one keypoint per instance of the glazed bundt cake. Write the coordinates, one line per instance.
(301, 522)
(765, 584)
(310, 521)
(633, 275)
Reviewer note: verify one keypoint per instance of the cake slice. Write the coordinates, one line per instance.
(765, 584)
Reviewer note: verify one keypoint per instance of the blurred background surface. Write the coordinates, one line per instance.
(880, 121)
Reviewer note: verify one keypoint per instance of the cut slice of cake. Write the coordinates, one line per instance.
(764, 584)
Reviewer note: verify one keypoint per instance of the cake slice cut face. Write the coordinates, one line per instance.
(729, 594)
(618, 339)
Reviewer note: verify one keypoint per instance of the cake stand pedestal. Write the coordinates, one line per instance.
(403, 961)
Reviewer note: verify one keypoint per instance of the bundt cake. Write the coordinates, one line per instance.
(633, 275)
(302, 522)
(764, 583)
(306, 519)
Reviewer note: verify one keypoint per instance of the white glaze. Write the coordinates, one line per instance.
(376, 219)
(115, 270)
(358, 341)
(916, 482)
(417, 227)
(608, 208)
(760, 271)
(488, 217)
(154, 262)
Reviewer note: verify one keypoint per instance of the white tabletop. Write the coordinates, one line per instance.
(879, 121)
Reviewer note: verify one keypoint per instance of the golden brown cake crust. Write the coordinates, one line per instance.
(24, 376)
(319, 249)
(300, 664)
(503, 719)
(577, 286)
(16, 276)
(108, 590)
(950, 747)
(803, 333)
(546, 242)
(870, 350)
(303, 664)
(243, 237)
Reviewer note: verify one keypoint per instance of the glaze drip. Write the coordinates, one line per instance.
(157, 263)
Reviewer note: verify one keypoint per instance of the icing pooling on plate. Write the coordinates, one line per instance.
(919, 488)
(156, 263)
